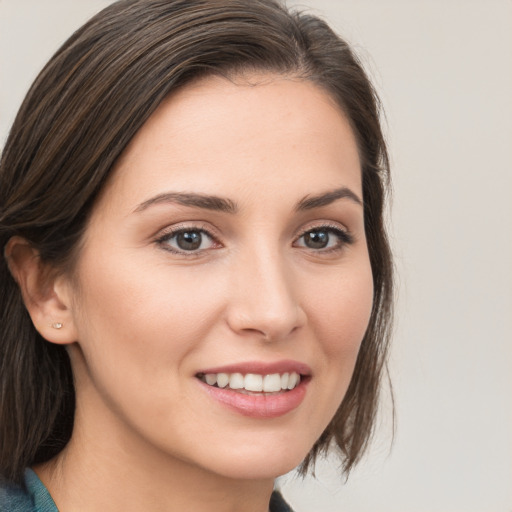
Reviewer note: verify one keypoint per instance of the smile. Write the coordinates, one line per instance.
(253, 382)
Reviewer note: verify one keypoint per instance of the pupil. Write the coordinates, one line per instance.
(316, 239)
(188, 240)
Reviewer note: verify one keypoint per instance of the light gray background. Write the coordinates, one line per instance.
(444, 70)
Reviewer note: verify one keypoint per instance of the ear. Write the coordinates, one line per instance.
(46, 294)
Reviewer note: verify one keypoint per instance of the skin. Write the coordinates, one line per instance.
(140, 320)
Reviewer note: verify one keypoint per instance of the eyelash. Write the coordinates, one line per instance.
(169, 234)
(344, 239)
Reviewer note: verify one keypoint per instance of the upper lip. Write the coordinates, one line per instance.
(261, 368)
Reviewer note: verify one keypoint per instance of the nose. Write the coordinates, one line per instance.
(265, 299)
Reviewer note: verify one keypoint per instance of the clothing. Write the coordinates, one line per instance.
(277, 503)
(36, 498)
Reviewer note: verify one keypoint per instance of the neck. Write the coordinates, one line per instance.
(80, 480)
(105, 467)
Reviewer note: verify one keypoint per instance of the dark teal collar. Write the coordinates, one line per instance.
(31, 497)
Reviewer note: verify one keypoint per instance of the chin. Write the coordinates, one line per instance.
(259, 462)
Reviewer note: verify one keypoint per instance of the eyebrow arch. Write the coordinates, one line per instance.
(311, 202)
(204, 201)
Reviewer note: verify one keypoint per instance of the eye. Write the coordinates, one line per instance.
(187, 240)
(324, 238)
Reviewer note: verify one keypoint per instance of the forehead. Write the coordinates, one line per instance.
(220, 135)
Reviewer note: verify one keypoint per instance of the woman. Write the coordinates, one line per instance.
(196, 280)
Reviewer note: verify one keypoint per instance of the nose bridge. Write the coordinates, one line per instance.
(265, 298)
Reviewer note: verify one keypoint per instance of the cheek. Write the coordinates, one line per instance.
(341, 317)
(143, 316)
(338, 315)
(138, 326)
(343, 312)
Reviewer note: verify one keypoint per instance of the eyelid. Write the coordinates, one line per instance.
(316, 225)
(166, 233)
(346, 237)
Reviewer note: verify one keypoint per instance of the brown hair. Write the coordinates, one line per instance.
(78, 117)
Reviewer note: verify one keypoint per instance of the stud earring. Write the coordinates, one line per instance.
(57, 325)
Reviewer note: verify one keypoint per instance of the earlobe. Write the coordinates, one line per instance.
(43, 292)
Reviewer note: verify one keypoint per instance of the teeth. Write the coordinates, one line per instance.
(222, 380)
(272, 383)
(211, 379)
(254, 382)
(236, 381)
(293, 380)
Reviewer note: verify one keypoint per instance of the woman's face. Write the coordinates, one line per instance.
(227, 251)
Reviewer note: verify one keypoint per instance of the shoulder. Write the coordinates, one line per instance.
(15, 499)
(31, 497)
(277, 503)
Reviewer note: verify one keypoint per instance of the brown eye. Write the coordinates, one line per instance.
(187, 241)
(324, 239)
(316, 239)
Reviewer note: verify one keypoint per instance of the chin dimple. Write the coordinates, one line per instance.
(253, 382)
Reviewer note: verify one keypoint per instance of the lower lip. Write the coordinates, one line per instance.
(259, 406)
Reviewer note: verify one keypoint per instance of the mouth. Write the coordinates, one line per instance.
(253, 383)
(257, 390)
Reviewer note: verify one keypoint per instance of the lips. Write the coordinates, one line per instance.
(258, 389)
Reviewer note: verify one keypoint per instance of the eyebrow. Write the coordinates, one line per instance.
(311, 202)
(204, 201)
(225, 205)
